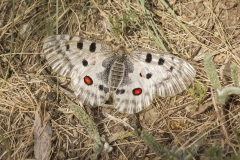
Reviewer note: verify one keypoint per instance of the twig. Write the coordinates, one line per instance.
(220, 115)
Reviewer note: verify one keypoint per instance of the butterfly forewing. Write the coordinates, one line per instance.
(99, 72)
(169, 74)
(71, 55)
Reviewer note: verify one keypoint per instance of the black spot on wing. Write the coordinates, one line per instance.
(160, 61)
(171, 68)
(148, 58)
(67, 47)
(106, 90)
(79, 45)
(100, 87)
(85, 63)
(149, 75)
(92, 47)
(120, 91)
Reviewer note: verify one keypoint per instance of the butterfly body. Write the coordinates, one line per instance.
(117, 72)
(130, 77)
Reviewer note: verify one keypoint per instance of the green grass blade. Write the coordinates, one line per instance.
(211, 71)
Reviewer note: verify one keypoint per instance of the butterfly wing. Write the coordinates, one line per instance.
(71, 55)
(152, 73)
(87, 64)
(80, 59)
(169, 74)
(135, 94)
(91, 88)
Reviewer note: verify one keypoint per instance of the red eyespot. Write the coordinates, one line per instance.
(137, 91)
(88, 80)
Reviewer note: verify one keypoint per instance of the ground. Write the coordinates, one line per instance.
(31, 93)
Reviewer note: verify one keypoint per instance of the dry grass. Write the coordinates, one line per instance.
(194, 28)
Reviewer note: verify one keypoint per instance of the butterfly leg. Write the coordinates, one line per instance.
(134, 121)
(108, 102)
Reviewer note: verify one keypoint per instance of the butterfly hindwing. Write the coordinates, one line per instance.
(136, 94)
(90, 87)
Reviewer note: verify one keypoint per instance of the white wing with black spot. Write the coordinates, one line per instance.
(79, 59)
(136, 94)
(169, 74)
(72, 55)
(90, 88)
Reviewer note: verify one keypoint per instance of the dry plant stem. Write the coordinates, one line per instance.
(101, 12)
(220, 115)
(65, 91)
(25, 85)
(211, 22)
(178, 19)
(53, 84)
(174, 111)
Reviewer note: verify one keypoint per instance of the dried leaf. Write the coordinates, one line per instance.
(42, 134)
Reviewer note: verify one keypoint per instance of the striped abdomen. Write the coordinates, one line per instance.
(116, 75)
